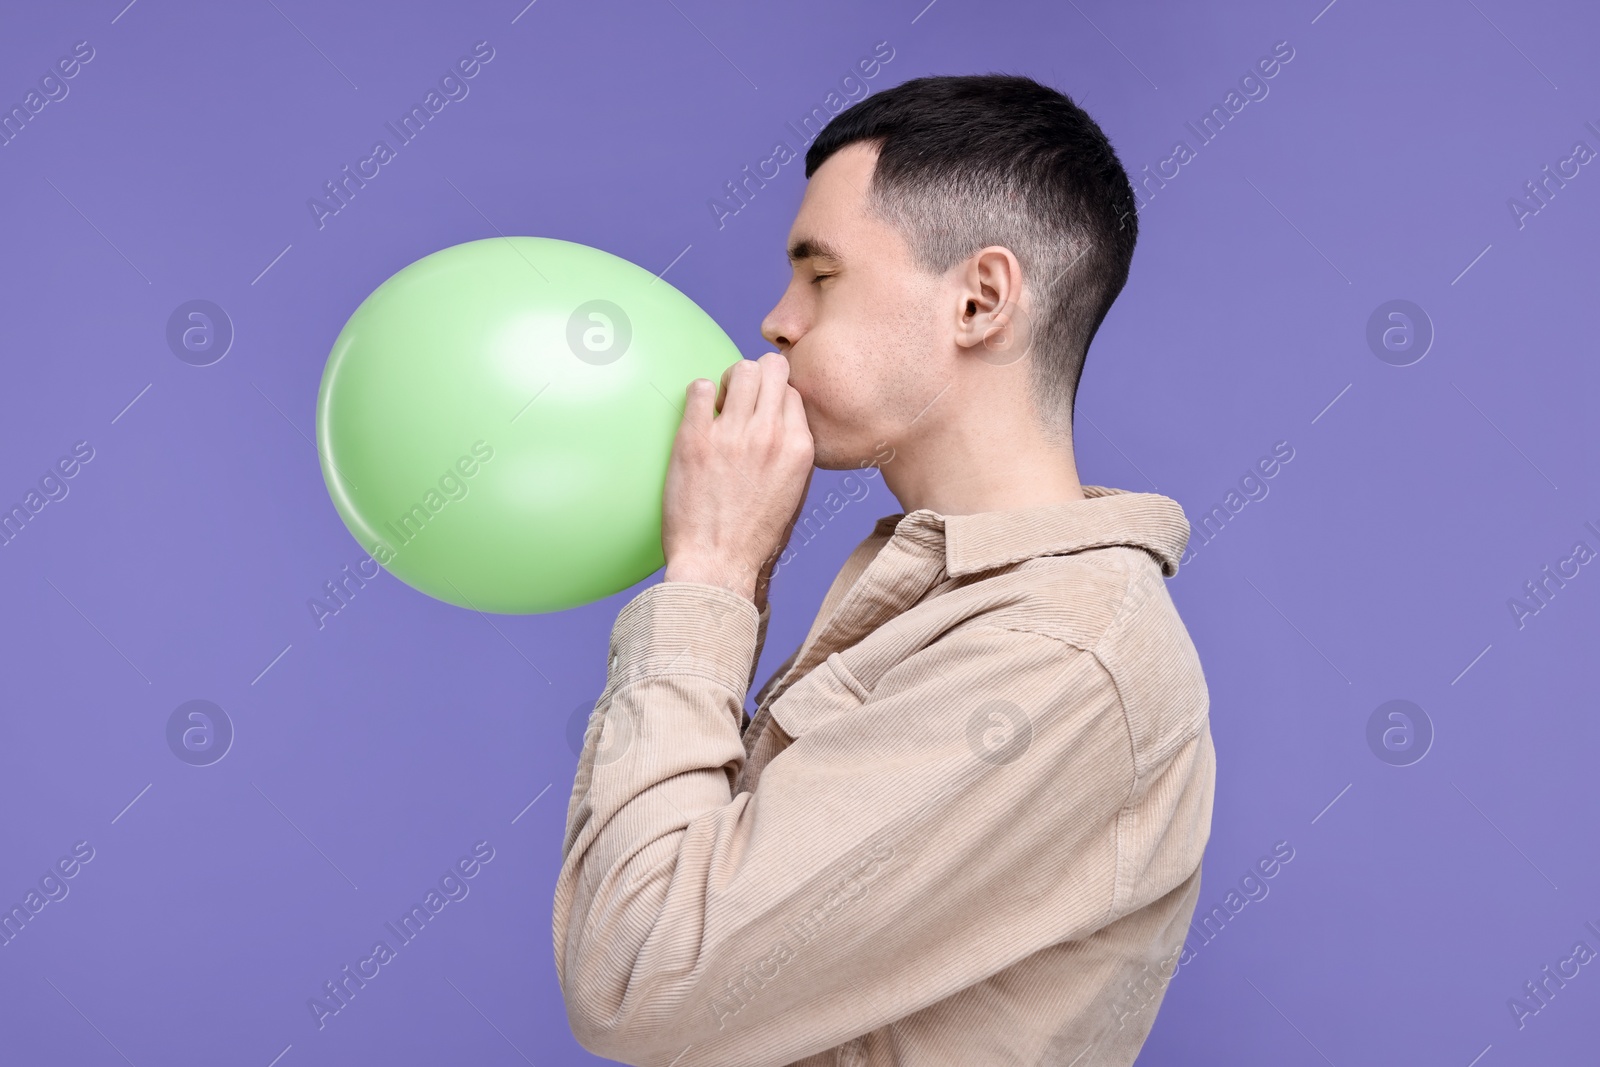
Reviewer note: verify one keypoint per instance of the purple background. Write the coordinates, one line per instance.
(374, 751)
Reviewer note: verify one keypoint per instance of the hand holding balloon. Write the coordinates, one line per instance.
(560, 362)
(736, 480)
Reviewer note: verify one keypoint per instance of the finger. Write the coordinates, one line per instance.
(744, 383)
(697, 412)
(771, 402)
(794, 414)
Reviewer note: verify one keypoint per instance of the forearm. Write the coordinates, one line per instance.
(697, 927)
(671, 709)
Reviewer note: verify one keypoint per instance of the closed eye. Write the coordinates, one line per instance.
(819, 277)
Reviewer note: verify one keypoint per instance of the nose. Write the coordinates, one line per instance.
(774, 335)
(780, 328)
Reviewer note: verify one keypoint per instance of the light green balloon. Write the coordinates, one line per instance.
(495, 421)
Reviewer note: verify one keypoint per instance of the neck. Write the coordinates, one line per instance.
(987, 469)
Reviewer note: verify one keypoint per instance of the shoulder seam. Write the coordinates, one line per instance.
(1093, 647)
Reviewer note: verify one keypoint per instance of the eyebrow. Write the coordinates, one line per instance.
(813, 248)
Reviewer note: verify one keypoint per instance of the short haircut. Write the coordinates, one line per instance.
(966, 161)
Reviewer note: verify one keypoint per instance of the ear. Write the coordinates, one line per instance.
(990, 316)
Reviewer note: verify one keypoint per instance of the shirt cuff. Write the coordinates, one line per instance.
(761, 640)
(686, 628)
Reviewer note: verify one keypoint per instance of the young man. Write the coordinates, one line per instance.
(965, 824)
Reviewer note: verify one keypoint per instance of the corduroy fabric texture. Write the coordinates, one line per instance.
(964, 825)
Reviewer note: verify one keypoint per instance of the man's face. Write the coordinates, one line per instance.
(859, 322)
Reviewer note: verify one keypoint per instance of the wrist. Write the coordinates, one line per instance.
(742, 582)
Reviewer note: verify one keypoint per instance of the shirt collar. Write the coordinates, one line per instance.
(1105, 517)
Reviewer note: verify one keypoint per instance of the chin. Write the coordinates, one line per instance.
(829, 459)
(836, 451)
(824, 459)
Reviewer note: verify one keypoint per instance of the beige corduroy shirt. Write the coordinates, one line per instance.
(963, 827)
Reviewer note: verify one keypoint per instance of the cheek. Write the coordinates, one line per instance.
(815, 396)
(827, 396)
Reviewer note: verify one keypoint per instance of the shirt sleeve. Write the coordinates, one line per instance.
(755, 660)
(762, 619)
(959, 819)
